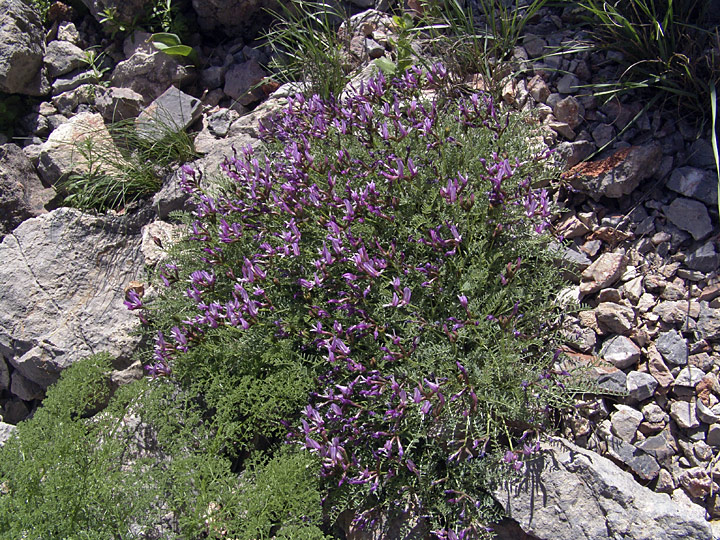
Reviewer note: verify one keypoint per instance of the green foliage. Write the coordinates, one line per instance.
(307, 47)
(667, 48)
(171, 45)
(124, 168)
(404, 53)
(41, 6)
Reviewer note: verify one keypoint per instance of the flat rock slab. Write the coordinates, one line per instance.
(172, 112)
(689, 215)
(617, 175)
(63, 276)
(570, 493)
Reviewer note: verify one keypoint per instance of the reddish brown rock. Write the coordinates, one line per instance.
(604, 272)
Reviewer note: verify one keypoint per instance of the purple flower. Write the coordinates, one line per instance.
(133, 300)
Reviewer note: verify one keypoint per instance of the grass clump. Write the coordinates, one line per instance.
(117, 165)
(374, 287)
(665, 46)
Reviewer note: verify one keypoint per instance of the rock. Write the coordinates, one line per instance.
(240, 82)
(22, 47)
(157, 238)
(701, 154)
(24, 388)
(22, 195)
(625, 422)
(538, 89)
(654, 414)
(660, 446)
(64, 275)
(574, 494)
(150, 74)
(696, 482)
(534, 45)
(620, 351)
(603, 134)
(568, 84)
(67, 102)
(68, 32)
(713, 436)
(705, 414)
(62, 57)
(640, 385)
(117, 104)
(74, 147)
(615, 318)
(219, 123)
(172, 112)
(683, 412)
(73, 81)
(617, 175)
(15, 411)
(671, 312)
(604, 272)
(689, 377)
(704, 258)
(126, 11)
(658, 369)
(673, 347)
(568, 111)
(573, 153)
(231, 16)
(689, 215)
(6, 431)
(171, 197)
(708, 325)
(694, 183)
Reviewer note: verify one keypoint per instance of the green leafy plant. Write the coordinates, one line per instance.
(666, 48)
(113, 24)
(307, 47)
(403, 48)
(171, 45)
(96, 63)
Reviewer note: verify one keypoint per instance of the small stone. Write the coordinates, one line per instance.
(241, 81)
(689, 215)
(61, 57)
(704, 258)
(701, 154)
(625, 422)
(696, 482)
(568, 84)
(615, 318)
(620, 351)
(568, 111)
(671, 312)
(708, 325)
(658, 369)
(665, 482)
(684, 414)
(609, 295)
(652, 412)
(673, 292)
(603, 273)
(603, 134)
(534, 45)
(633, 289)
(640, 385)
(538, 89)
(571, 227)
(713, 435)
(702, 360)
(660, 446)
(706, 414)
(24, 388)
(673, 347)
(694, 183)
(561, 128)
(689, 377)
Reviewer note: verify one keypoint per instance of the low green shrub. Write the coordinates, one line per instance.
(376, 286)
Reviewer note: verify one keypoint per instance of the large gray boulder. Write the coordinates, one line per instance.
(22, 195)
(63, 276)
(22, 47)
(570, 493)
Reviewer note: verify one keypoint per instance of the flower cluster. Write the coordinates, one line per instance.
(390, 236)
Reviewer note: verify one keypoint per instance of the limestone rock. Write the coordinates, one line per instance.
(620, 351)
(22, 195)
(172, 112)
(241, 81)
(74, 146)
(64, 275)
(574, 494)
(6, 431)
(689, 215)
(22, 47)
(119, 104)
(604, 272)
(62, 57)
(150, 74)
(683, 412)
(615, 318)
(617, 175)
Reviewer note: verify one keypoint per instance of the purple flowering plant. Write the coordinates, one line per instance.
(373, 288)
